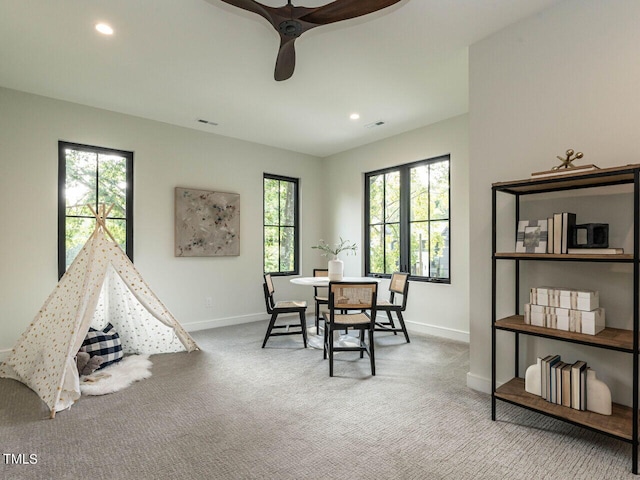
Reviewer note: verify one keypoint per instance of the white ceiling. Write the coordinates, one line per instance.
(177, 61)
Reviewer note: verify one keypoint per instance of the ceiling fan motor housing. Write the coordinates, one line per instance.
(290, 28)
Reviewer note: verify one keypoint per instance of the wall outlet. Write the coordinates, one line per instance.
(208, 302)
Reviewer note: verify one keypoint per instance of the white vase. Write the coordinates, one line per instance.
(336, 268)
(532, 378)
(598, 394)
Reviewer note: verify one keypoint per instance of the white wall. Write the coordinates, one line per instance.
(435, 309)
(565, 78)
(164, 157)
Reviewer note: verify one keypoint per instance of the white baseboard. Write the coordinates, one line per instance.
(225, 322)
(480, 384)
(436, 331)
(256, 317)
(203, 325)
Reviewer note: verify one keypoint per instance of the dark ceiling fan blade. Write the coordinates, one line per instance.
(286, 61)
(291, 21)
(253, 6)
(344, 10)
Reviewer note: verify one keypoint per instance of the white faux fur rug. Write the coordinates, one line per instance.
(116, 376)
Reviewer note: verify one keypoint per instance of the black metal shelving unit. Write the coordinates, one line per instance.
(623, 423)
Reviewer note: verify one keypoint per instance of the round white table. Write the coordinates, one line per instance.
(314, 339)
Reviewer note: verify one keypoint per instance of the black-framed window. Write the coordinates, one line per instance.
(407, 220)
(281, 231)
(92, 176)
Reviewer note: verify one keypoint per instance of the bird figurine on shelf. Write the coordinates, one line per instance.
(567, 162)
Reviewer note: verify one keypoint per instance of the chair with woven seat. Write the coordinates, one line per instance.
(399, 285)
(275, 308)
(357, 298)
(320, 294)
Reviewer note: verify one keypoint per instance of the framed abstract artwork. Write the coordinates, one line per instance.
(207, 224)
(532, 236)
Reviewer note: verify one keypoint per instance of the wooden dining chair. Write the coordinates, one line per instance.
(358, 299)
(320, 294)
(276, 308)
(399, 285)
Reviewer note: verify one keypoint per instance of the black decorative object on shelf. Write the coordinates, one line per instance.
(590, 235)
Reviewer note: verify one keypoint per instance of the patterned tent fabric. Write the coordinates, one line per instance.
(101, 286)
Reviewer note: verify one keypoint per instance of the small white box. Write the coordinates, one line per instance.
(538, 309)
(563, 323)
(545, 296)
(538, 319)
(575, 321)
(534, 314)
(585, 300)
(562, 315)
(539, 296)
(554, 298)
(592, 322)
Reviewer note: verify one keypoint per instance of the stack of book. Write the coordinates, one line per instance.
(565, 309)
(559, 231)
(560, 237)
(564, 383)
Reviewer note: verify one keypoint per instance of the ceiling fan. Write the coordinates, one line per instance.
(291, 21)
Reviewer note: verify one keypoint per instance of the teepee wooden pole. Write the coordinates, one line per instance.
(101, 217)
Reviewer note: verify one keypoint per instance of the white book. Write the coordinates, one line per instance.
(596, 251)
(557, 233)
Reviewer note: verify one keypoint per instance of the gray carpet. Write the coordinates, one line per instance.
(236, 411)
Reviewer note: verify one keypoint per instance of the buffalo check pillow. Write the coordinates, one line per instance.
(106, 343)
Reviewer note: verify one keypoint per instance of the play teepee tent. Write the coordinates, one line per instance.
(101, 286)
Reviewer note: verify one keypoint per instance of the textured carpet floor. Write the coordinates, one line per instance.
(236, 411)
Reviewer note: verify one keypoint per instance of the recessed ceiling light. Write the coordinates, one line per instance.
(354, 116)
(104, 29)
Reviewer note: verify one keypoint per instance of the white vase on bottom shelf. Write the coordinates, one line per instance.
(532, 378)
(598, 395)
(336, 269)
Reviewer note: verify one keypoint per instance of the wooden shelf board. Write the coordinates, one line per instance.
(617, 424)
(592, 178)
(622, 257)
(609, 337)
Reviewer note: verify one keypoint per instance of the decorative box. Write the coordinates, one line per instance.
(575, 321)
(562, 318)
(586, 300)
(551, 320)
(535, 315)
(563, 323)
(546, 296)
(592, 322)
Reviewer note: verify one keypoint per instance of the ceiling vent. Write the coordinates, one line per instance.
(374, 124)
(208, 122)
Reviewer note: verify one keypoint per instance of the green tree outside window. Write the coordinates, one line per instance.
(90, 176)
(280, 224)
(408, 220)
